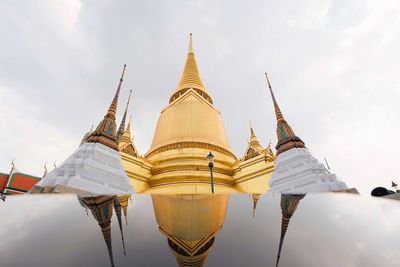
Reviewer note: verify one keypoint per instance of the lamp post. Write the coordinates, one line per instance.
(210, 158)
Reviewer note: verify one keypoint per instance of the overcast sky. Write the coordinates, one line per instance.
(333, 65)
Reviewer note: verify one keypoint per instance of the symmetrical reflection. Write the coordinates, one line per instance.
(190, 224)
(289, 204)
(102, 208)
(198, 230)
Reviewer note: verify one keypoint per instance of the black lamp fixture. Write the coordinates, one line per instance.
(210, 158)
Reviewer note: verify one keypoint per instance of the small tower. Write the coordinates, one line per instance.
(254, 149)
(106, 132)
(95, 168)
(121, 128)
(125, 143)
(296, 170)
(287, 139)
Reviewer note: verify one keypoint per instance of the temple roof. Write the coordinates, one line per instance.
(16, 182)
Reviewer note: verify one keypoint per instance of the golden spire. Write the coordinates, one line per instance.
(287, 139)
(121, 128)
(190, 44)
(105, 132)
(190, 77)
(253, 138)
(254, 149)
(128, 128)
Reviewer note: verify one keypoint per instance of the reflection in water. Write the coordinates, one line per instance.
(255, 197)
(102, 210)
(190, 223)
(289, 205)
(117, 208)
(123, 201)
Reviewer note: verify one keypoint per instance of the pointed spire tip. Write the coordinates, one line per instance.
(190, 43)
(123, 72)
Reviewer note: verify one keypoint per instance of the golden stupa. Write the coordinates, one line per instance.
(188, 128)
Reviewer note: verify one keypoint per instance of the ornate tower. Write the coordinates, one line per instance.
(106, 131)
(125, 143)
(121, 128)
(296, 170)
(95, 168)
(188, 128)
(254, 149)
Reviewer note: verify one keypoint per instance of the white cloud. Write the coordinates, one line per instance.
(27, 138)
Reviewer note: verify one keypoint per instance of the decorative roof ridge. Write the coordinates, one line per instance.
(186, 94)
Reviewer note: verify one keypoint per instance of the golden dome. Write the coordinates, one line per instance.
(190, 119)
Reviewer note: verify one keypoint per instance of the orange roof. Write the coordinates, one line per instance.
(22, 181)
(3, 181)
(17, 183)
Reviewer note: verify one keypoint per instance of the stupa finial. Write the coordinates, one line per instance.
(251, 130)
(190, 44)
(278, 112)
(190, 77)
(120, 81)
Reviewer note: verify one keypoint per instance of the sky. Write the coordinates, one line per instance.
(332, 64)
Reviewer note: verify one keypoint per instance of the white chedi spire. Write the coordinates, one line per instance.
(298, 172)
(93, 169)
